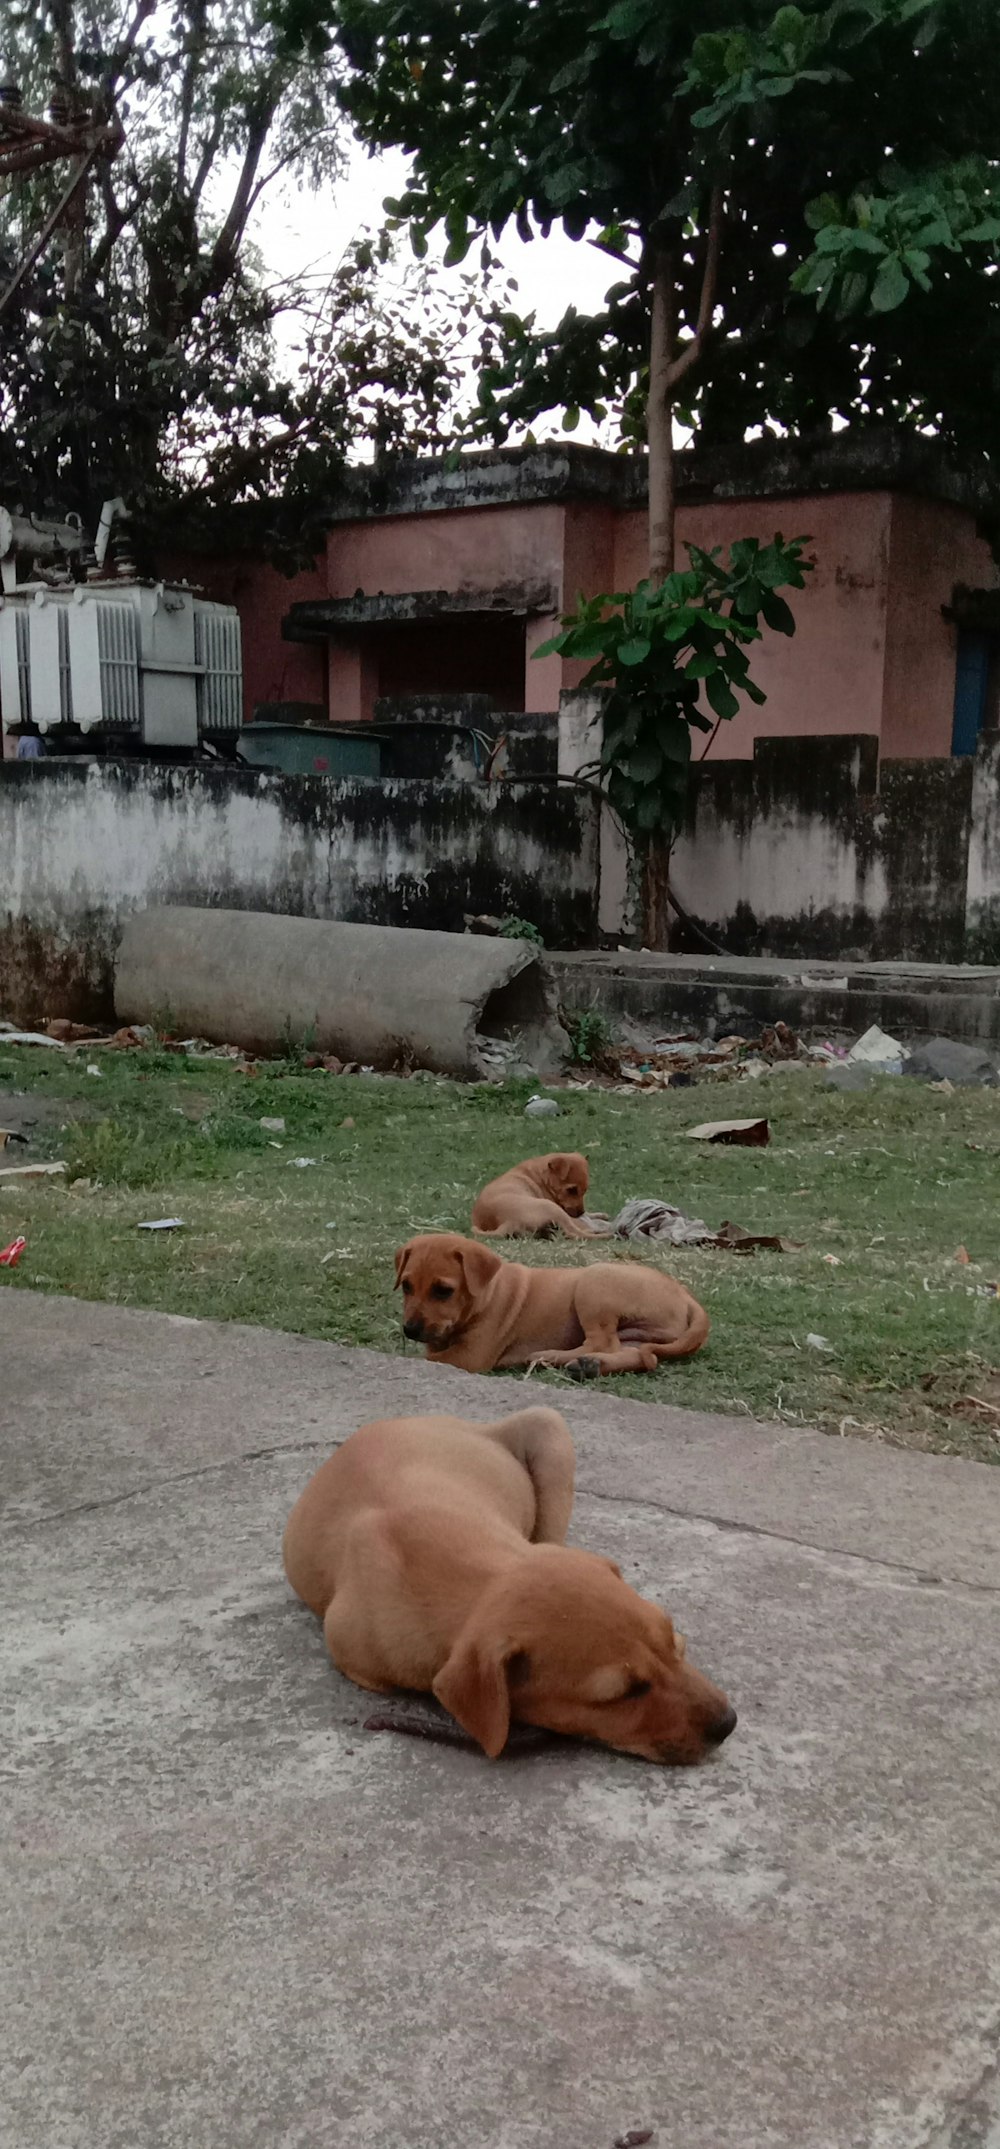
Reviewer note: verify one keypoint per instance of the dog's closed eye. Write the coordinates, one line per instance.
(633, 1692)
(441, 1290)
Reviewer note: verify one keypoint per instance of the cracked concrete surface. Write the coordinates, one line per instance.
(235, 1917)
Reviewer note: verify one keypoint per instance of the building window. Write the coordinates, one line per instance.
(977, 688)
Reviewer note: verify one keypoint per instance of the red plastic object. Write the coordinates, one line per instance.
(12, 1254)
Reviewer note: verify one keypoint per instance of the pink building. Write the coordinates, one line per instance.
(441, 580)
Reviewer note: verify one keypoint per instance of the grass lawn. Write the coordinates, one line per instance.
(890, 1182)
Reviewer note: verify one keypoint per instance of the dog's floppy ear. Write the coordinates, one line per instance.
(613, 1564)
(474, 1684)
(402, 1257)
(480, 1264)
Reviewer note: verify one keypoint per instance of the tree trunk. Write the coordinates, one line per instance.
(654, 913)
(660, 421)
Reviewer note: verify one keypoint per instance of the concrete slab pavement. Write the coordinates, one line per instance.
(236, 1918)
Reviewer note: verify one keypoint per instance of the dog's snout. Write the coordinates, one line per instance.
(721, 1727)
(413, 1329)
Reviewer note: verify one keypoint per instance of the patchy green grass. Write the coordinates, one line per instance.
(890, 1183)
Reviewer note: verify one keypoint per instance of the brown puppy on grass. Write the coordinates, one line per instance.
(432, 1549)
(537, 1199)
(473, 1309)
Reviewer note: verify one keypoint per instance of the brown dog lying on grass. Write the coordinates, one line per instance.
(537, 1199)
(473, 1309)
(432, 1549)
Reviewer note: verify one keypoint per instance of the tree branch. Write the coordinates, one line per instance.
(208, 155)
(115, 220)
(222, 259)
(692, 351)
(117, 65)
(193, 63)
(615, 253)
(297, 150)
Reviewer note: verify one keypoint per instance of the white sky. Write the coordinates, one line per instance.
(297, 229)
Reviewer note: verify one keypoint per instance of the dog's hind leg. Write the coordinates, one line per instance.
(539, 1219)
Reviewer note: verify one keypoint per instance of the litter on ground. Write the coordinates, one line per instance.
(743, 1133)
(650, 1219)
(877, 1049)
(30, 1171)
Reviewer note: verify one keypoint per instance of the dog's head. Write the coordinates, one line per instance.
(442, 1276)
(566, 1180)
(564, 1643)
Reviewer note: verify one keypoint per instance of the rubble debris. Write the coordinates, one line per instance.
(674, 1061)
(742, 1133)
(946, 1059)
(9, 1035)
(62, 1032)
(132, 1039)
(778, 1042)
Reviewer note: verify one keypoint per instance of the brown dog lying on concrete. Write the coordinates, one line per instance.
(537, 1199)
(432, 1549)
(473, 1309)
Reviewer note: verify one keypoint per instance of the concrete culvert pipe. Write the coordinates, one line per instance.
(381, 994)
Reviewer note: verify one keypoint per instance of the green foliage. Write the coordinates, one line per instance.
(660, 650)
(590, 1035)
(297, 1047)
(521, 929)
(617, 122)
(872, 250)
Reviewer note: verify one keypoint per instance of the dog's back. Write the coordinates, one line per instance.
(513, 1475)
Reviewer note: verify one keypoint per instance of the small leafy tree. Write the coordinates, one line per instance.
(659, 648)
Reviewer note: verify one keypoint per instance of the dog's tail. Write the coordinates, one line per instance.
(540, 1440)
(695, 1334)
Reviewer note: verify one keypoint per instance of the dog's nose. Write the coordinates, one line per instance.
(720, 1727)
(413, 1330)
